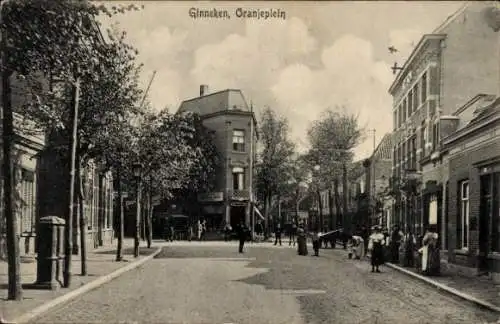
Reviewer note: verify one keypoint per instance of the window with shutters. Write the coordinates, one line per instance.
(424, 88)
(413, 153)
(422, 140)
(463, 216)
(410, 103)
(28, 196)
(404, 110)
(394, 120)
(416, 103)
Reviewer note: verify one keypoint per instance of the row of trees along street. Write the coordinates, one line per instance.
(284, 173)
(81, 89)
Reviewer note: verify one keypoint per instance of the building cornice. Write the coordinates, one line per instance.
(414, 54)
(234, 113)
(469, 130)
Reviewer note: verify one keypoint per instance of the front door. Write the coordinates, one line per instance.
(485, 218)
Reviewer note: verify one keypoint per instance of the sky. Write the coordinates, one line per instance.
(322, 55)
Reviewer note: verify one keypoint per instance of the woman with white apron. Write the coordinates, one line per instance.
(357, 247)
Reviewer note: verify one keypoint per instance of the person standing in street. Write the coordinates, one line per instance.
(292, 233)
(315, 242)
(277, 234)
(365, 234)
(203, 230)
(227, 232)
(376, 246)
(396, 238)
(242, 236)
(301, 241)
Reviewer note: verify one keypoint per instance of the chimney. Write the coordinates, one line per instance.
(203, 90)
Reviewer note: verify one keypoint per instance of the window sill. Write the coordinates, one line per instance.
(238, 152)
(494, 255)
(462, 251)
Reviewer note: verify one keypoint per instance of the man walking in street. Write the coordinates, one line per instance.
(277, 234)
(242, 235)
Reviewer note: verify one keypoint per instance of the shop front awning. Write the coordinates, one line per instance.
(257, 211)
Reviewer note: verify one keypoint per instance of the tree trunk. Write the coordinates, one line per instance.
(101, 211)
(267, 203)
(332, 219)
(150, 217)
(137, 219)
(76, 222)
(143, 215)
(119, 248)
(75, 98)
(320, 211)
(83, 222)
(297, 207)
(337, 202)
(344, 194)
(15, 290)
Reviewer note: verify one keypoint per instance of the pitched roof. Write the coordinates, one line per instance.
(229, 99)
(384, 148)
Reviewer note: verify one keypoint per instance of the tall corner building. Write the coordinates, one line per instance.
(233, 122)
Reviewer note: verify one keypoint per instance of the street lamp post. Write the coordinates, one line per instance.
(137, 169)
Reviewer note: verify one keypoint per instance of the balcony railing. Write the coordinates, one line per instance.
(239, 194)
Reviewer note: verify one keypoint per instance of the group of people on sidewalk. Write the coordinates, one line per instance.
(422, 252)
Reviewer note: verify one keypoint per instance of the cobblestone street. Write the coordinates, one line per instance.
(215, 284)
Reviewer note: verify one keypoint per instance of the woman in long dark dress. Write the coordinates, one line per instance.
(376, 246)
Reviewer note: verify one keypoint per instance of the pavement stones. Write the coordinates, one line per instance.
(101, 268)
(214, 284)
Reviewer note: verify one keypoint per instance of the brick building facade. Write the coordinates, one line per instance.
(444, 71)
(233, 122)
(473, 151)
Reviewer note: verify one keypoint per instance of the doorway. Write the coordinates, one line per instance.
(488, 220)
(237, 215)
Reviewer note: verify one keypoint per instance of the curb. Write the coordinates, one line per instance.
(82, 290)
(448, 289)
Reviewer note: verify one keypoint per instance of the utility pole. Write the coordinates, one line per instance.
(372, 169)
(147, 89)
(250, 187)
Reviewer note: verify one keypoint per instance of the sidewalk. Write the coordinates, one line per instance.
(479, 290)
(101, 266)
